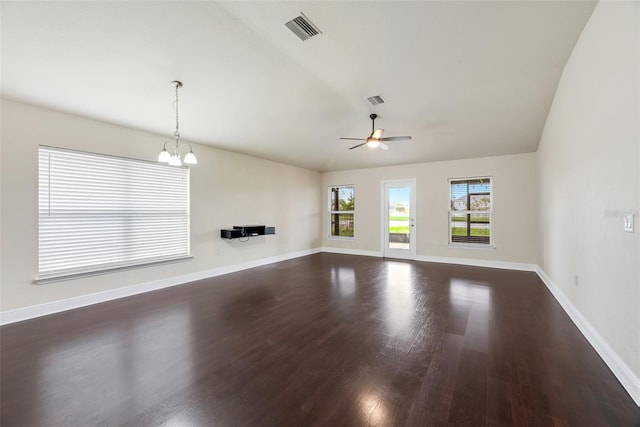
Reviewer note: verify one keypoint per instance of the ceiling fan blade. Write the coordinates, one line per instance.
(383, 146)
(356, 146)
(377, 134)
(396, 138)
(355, 139)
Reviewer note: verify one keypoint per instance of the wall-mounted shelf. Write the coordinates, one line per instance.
(239, 231)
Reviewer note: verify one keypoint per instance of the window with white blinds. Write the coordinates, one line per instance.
(100, 212)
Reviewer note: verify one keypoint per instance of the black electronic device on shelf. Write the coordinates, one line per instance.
(239, 231)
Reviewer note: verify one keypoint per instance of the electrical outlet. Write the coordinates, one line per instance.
(628, 223)
(575, 280)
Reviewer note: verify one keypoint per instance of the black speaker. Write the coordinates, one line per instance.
(231, 234)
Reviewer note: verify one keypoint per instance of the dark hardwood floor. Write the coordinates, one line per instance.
(323, 340)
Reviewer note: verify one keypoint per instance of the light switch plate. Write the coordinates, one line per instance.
(628, 223)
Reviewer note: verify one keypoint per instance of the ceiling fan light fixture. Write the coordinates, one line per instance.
(375, 139)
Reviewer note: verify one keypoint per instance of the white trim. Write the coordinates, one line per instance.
(474, 246)
(63, 278)
(360, 252)
(620, 369)
(45, 309)
(505, 265)
(343, 238)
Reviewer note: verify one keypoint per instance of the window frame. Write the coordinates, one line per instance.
(333, 212)
(471, 245)
(101, 187)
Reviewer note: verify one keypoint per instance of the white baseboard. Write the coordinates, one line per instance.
(33, 311)
(505, 265)
(620, 369)
(351, 252)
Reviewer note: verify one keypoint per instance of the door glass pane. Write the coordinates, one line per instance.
(399, 217)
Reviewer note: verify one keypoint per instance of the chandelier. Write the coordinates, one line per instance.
(175, 159)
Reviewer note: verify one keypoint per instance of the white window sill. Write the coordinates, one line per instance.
(477, 246)
(71, 276)
(340, 238)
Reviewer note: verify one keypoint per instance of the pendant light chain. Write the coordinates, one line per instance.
(177, 132)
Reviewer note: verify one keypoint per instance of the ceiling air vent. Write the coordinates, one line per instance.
(376, 99)
(302, 27)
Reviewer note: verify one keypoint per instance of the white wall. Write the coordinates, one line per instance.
(588, 171)
(515, 221)
(226, 189)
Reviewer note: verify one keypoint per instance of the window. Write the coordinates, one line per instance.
(470, 211)
(100, 212)
(341, 211)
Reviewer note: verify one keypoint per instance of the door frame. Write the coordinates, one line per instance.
(384, 233)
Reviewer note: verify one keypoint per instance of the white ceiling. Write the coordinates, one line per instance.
(465, 79)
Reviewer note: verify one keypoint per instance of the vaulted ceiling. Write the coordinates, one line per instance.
(465, 79)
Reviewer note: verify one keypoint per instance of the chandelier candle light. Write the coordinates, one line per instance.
(175, 159)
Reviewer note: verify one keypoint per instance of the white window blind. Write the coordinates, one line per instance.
(99, 212)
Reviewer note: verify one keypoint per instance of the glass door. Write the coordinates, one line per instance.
(399, 222)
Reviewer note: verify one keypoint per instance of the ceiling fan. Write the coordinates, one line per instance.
(375, 139)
